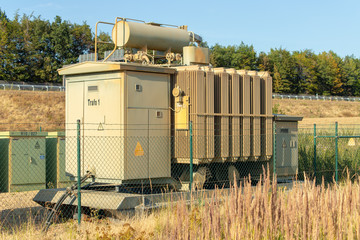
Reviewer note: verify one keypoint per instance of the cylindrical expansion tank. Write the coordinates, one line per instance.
(139, 35)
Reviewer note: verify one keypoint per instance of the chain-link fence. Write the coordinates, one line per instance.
(329, 152)
(126, 167)
(115, 164)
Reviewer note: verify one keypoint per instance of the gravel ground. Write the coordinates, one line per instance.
(10, 201)
(18, 208)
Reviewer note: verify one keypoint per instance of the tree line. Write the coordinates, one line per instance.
(297, 72)
(32, 49)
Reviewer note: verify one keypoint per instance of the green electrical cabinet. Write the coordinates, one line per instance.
(22, 161)
(55, 161)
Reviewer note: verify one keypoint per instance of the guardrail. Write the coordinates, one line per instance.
(5, 86)
(316, 97)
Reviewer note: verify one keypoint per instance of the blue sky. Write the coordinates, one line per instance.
(294, 25)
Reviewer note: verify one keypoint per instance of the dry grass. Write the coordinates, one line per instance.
(305, 212)
(320, 112)
(329, 121)
(318, 109)
(28, 111)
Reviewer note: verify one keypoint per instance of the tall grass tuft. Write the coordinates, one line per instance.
(307, 211)
(264, 211)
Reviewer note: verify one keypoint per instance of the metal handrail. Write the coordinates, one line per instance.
(96, 41)
(115, 40)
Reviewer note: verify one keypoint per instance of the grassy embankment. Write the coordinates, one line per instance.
(27, 110)
(320, 112)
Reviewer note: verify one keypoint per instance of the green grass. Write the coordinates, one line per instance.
(348, 156)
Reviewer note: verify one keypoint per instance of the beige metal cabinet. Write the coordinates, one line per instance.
(124, 113)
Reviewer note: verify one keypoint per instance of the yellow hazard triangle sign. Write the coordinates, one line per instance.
(351, 142)
(139, 150)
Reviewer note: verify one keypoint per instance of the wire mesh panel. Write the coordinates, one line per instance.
(349, 157)
(306, 153)
(328, 152)
(325, 159)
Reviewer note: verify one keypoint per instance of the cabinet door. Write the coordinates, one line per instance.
(19, 161)
(294, 151)
(159, 143)
(283, 159)
(36, 163)
(137, 161)
(74, 111)
(27, 161)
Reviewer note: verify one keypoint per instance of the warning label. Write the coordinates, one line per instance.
(37, 145)
(351, 142)
(100, 127)
(138, 150)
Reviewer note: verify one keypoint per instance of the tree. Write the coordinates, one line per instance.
(329, 74)
(220, 56)
(306, 71)
(282, 67)
(351, 76)
(244, 57)
(263, 62)
(32, 49)
(239, 57)
(4, 44)
(15, 56)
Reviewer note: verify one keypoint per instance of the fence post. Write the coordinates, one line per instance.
(314, 161)
(191, 155)
(78, 171)
(274, 148)
(336, 151)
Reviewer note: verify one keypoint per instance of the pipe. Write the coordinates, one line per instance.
(115, 44)
(96, 27)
